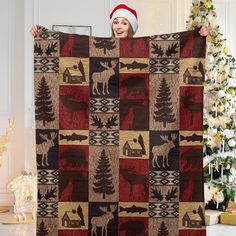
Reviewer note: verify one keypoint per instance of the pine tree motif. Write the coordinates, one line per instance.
(42, 230)
(141, 142)
(201, 68)
(163, 231)
(43, 102)
(103, 177)
(164, 112)
(80, 214)
(105, 44)
(81, 69)
(201, 214)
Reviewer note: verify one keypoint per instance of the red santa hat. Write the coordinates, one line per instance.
(124, 11)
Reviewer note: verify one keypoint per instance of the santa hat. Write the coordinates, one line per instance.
(124, 11)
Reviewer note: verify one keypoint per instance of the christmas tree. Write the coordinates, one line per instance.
(219, 106)
(44, 108)
(164, 112)
(103, 177)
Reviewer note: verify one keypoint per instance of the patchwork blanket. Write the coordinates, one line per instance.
(119, 134)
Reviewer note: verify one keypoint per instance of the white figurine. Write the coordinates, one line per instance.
(24, 188)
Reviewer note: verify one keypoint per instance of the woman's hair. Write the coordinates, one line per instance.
(131, 32)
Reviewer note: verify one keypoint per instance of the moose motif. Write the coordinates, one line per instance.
(163, 150)
(134, 179)
(43, 148)
(193, 107)
(73, 106)
(103, 220)
(103, 77)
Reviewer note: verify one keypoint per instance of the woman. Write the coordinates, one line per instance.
(124, 23)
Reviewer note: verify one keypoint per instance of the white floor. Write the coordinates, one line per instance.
(30, 229)
(220, 230)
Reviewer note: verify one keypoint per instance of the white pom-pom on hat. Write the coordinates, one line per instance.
(124, 11)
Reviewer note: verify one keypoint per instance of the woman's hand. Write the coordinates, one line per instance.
(203, 31)
(36, 29)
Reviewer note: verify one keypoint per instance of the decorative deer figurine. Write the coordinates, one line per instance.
(163, 150)
(73, 106)
(133, 179)
(4, 139)
(103, 77)
(102, 221)
(24, 188)
(43, 148)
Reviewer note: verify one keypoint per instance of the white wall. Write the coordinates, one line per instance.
(165, 16)
(11, 90)
(226, 13)
(16, 61)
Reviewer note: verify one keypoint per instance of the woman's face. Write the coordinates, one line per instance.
(120, 27)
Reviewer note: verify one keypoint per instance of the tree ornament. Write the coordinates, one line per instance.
(225, 50)
(212, 132)
(195, 9)
(228, 133)
(231, 143)
(231, 92)
(208, 4)
(233, 171)
(221, 93)
(211, 59)
(219, 198)
(220, 108)
(228, 166)
(231, 178)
